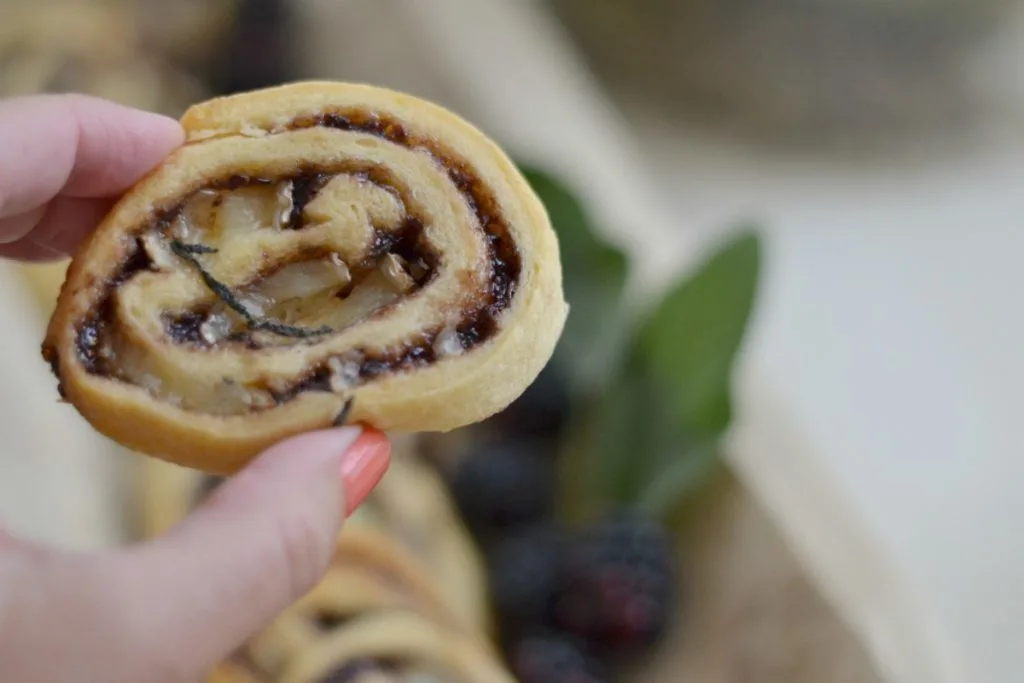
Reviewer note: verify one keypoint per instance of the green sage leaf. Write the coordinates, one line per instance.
(594, 274)
(690, 342)
(652, 438)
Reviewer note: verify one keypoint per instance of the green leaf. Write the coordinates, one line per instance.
(632, 450)
(652, 438)
(683, 477)
(634, 434)
(594, 274)
(691, 340)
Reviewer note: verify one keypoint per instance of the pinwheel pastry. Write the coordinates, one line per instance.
(311, 244)
(66, 46)
(371, 572)
(188, 31)
(407, 520)
(410, 507)
(394, 647)
(166, 493)
(413, 504)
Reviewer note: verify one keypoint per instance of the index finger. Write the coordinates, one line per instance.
(77, 146)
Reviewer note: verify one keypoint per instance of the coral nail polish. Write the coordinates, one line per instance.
(364, 466)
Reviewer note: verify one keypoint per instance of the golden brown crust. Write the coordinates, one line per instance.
(271, 133)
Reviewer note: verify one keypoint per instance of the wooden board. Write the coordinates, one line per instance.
(752, 615)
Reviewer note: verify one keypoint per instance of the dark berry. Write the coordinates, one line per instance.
(543, 409)
(553, 659)
(504, 486)
(618, 584)
(524, 573)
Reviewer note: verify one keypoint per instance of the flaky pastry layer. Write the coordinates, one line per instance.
(313, 246)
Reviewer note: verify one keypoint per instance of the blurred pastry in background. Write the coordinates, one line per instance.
(394, 646)
(390, 646)
(188, 32)
(370, 573)
(164, 495)
(411, 506)
(414, 501)
(404, 550)
(91, 48)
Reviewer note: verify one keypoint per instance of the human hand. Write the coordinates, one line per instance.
(166, 610)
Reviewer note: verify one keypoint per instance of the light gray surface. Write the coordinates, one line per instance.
(57, 480)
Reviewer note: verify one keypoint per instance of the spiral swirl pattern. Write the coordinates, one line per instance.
(310, 244)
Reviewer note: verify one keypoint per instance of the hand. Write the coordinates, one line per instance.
(170, 609)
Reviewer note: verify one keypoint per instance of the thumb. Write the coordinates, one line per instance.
(259, 542)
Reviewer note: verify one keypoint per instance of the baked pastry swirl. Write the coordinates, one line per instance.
(394, 647)
(311, 244)
(166, 494)
(382, 647)
(413, 503)
(370, 573)
(409, 519)
(404, 548)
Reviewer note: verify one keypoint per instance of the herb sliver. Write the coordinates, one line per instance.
(188, 252)
(194, 248)
(346, 410)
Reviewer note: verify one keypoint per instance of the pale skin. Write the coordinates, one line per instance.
(169, 609)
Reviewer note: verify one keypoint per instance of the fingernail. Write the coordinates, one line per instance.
(363, 466)
(315, 449)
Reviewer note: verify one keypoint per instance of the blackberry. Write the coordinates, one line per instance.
(553, 659)
(542, 411)
(504, 486)
(524, 574)
(617, 586)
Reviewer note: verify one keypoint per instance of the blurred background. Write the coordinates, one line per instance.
(838, 179)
